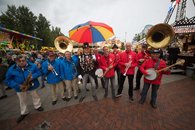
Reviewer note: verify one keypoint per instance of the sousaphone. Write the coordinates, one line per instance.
(63, 44)
(160, 35)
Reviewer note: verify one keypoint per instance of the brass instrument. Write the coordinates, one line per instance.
(160, 35)
(126, 69)
(63, 44)
(27, 83)
(53, 70)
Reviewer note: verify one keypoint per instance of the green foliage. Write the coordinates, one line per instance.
(122, 46)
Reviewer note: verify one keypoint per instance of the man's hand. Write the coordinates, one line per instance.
(110, 67)
(23, 88)
(128, 65)
(50, 68)
(80, 77)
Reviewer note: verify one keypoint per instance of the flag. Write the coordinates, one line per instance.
(177, 1)
(172, 6)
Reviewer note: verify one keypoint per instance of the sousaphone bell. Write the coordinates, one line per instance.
(160, 35)
(63, 44)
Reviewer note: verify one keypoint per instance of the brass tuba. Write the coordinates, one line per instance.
(63, 44)
(160, 35)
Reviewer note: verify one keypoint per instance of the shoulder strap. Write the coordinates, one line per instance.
(157, 64)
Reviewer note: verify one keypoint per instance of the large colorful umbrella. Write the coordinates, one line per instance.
(91, 32)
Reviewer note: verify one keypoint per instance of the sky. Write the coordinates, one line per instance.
(126, 17)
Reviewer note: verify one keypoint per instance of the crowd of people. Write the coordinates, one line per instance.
(63, 71)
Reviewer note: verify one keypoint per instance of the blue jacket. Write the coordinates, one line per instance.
(15, 76)
(69, 71)
(52, 78)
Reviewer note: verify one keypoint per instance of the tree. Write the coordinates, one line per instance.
(26, 20)
(20, 19)
(9, 18)
(42, 30)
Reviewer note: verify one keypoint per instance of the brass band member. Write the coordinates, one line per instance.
(86, 70)
(69, 74)
(127, 62)
(51, 68)
(141, 57)
(107, 64)
(22, 77)
(156, 63)
(116, 53)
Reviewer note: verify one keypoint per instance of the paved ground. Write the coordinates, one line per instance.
(176, 110)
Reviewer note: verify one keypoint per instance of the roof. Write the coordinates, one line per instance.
(184, 25)
(18, 33)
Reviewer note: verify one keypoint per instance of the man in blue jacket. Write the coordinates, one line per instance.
(51, 68)
(22, 77)
(69, 74)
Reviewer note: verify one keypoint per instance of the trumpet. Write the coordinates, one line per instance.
(126, 69)
(53, 70)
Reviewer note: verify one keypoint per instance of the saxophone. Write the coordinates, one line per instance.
(27, 83)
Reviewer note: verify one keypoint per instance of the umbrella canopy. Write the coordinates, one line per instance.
(91, 32)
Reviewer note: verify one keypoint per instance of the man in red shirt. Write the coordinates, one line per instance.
(98, 59)
(116, 53)
(141, 57)
(127, 63)
(107, 64)
(156, 63)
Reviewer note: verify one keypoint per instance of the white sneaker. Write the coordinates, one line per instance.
(118, 95)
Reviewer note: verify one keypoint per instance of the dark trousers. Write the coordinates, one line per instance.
(145, 89)
(138, 78)
(122, 80)
(112, 81)
(102, 82)
(118, 75)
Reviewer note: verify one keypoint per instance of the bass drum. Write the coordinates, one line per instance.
(152, 74)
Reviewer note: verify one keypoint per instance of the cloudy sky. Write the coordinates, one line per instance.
(124, 16)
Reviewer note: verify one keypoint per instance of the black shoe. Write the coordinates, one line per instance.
(118, 95)
(64, 99)
(105, 95)
(54, 102)
(95, 98)
(8, 88)
(141, 101)
(153, 105)
(87, 89)
(81, 99)
(76, 97)
(40, 109)
(43, 86)
(131, 99)
(21, 118)
(2, 97)
(68, 99)
(136, 88)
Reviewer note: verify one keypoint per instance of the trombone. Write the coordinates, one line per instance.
(126, 69)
